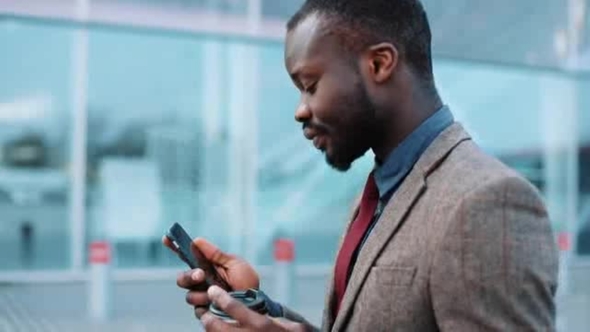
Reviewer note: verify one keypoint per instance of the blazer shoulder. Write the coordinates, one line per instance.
(470, 170)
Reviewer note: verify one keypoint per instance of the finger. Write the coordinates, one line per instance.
(166, 241)
(213, 324)
(238, 311)
(191, 279)
(197, 298)
(200, 311)
(212, 252)
(288, 325)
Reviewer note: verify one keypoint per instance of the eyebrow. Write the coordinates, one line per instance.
(295, 70)
(298, 72)
(295, 74)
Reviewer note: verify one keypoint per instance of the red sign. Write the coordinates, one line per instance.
(284, 250)
(564, 242)
(100, 252)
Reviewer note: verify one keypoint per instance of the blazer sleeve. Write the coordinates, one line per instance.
(496, 267)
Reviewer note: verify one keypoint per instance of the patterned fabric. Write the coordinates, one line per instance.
(464, 244)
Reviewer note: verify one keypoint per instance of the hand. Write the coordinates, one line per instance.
(235, 271)
(248, 320)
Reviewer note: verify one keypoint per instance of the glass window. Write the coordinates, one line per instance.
(35, 116)
(280, 9)
(149, 160)
(583, 238)
(168, 115)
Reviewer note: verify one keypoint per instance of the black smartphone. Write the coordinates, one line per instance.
(193, 257)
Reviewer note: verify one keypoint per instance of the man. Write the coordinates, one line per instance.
(444, 237)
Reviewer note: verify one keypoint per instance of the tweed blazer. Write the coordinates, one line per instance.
(464, 244)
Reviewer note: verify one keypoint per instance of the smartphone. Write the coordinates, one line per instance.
(193, 257)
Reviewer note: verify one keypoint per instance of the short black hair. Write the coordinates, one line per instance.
(365, 22)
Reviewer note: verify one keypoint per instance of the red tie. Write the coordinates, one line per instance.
(354, 236)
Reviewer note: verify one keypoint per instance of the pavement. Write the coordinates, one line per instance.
(158, 305)
(136, 306)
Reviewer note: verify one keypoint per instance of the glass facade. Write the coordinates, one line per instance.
(145, 141)
(583, 230)
(200, 131)
(35, 136)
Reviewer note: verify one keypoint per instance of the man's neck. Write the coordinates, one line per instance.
(408, 118)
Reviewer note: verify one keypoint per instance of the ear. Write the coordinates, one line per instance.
(383, 59)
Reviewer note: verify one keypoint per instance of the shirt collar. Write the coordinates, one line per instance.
(400, 161)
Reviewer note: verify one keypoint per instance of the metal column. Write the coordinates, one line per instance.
(243, 64)
(78, 140)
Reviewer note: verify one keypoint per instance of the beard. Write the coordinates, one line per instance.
(356, 132)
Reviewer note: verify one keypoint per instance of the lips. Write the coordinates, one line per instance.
(320, 142)
(309, 133)
(318, 138)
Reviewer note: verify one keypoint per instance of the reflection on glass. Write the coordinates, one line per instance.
(280, 9)
(34, 145)
(159, 142)
(583, 239)
(145, 146)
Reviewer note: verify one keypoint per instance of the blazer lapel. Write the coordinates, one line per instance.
(393, 216)
(402, 200)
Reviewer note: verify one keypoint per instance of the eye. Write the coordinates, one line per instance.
(311, 88)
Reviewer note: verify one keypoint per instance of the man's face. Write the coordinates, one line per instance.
(334, 109)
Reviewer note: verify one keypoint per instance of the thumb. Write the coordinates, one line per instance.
(211, 252)
(288, 325)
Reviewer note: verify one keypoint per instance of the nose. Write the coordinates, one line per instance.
(303, 113)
